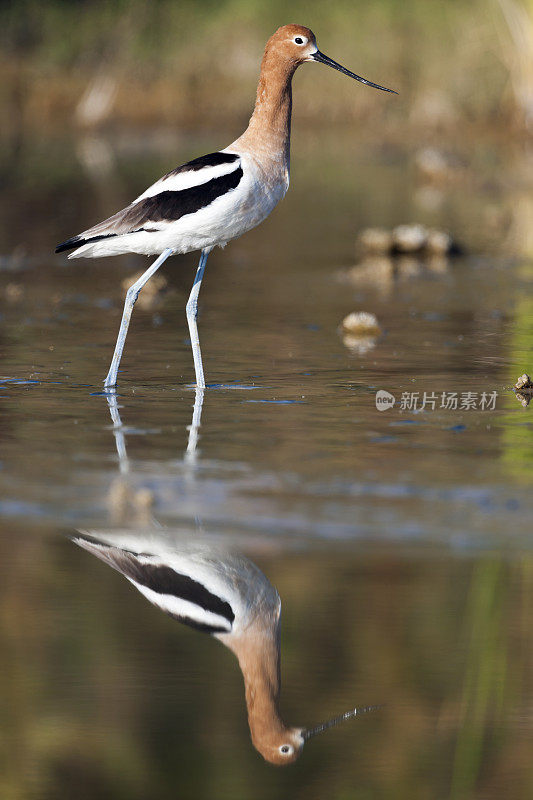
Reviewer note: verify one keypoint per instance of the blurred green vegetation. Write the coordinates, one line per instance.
(148, 61)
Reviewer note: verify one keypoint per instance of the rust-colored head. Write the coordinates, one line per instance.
(279, 745)
(291, 45)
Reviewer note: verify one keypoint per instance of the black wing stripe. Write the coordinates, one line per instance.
(165, 580)
(174, 205)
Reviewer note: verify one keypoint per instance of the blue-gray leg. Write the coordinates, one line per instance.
(192, 310)
(131, 296)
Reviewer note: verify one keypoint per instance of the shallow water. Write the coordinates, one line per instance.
(400, 540)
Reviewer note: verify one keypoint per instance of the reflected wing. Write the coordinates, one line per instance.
(181, 596)
(185, 190)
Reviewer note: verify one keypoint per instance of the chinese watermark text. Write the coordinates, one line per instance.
(431, 401)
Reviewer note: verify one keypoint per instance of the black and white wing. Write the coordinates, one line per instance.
(176, 593)
(186, 190)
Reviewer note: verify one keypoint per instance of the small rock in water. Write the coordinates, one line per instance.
(438, 243)
(403, 239)
(361, 323)
(524, 389)
(409, 238)
(524, 382)
(375, 240)
(360, 330)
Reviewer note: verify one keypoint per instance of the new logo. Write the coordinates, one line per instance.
(384, 400)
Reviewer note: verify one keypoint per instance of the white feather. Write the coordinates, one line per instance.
(183, 608)
(185, 180)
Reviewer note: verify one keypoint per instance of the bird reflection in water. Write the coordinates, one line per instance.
(212, 589)
(226, 595)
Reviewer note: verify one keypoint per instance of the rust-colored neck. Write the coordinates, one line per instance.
(268, 135)
(259, 660)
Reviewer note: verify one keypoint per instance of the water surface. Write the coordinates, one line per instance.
(399, 540)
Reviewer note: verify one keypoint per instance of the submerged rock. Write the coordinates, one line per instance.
(360, 330)
(406, 239)
(409, 238)
(362, 323)
(151, 292)
(524, 389)
(524, 382)
(376, 240)
(438, 243)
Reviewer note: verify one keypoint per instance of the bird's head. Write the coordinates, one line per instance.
(282, 745)
(294, 44)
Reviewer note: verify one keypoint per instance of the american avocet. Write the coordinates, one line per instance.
(214, 198)
(228, 596)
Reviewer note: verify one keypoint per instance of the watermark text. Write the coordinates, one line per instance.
(431, 401)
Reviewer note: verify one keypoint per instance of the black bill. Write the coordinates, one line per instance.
(322, 59)
(307, 733)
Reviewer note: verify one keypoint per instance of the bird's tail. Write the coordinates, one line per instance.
(82, 246)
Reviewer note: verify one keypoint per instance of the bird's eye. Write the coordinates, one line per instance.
(299, 40)
(286, 749)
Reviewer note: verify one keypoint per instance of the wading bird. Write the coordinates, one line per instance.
(214, 198)
(228, 596)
